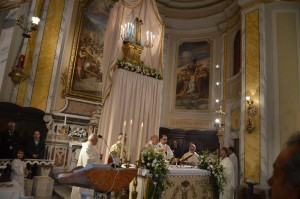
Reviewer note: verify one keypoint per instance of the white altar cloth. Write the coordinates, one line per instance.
(187, 182)
(11, 190)
(187, 171)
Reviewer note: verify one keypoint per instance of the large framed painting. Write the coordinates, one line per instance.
(192, 76)
(85, 69)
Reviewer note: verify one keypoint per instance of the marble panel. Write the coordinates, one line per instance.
(252, 88)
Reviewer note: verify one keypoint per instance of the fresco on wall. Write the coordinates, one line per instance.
(86, 80)
(193, 76)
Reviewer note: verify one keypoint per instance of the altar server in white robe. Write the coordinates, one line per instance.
(229, 175)
(191, 157)
(88, 155)
(163, 148)
(18, 167)
(234, 161)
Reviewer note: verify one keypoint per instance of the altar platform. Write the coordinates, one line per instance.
(187, 182)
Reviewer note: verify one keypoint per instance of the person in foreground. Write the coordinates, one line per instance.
(88, 155)
(285, 182)
(229, 175)
(191, 157)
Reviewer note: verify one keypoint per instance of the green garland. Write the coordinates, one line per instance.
(141, 69)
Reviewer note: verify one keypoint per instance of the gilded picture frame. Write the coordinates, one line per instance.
(84, 79)
(192, 80)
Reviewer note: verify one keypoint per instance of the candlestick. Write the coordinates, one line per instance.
(140, 142)
(65, 122)
(129, 137)
(123, 137)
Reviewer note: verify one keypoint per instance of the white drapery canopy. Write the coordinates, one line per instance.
(128, 95)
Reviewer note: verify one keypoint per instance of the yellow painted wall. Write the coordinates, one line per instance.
(252, 78)
(288, 79)
(47, 53)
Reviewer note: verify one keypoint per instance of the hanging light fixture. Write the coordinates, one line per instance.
(21, 22)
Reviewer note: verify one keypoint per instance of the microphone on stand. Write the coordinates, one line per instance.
(113, 159)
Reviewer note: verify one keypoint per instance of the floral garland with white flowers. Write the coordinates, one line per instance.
(158, 169)
(210, 162)
(141, 69)
(78, 132)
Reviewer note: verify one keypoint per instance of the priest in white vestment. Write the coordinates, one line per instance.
(191, 157)
(234, 161)
(116, 148)
(229, 175)
(88, 155)
(151, 145)
(163, 148)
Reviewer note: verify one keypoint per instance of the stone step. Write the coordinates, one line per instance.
(62, 192)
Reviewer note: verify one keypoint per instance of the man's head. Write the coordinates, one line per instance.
(93, 138)
(192, 148)
(174, 142)
(163, 139)
(120, 136)
(230, 150)
(154, 139)
(285, 181)
(224, 153)
(36, 135)
(11, 126)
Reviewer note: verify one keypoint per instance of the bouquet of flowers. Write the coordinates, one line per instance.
(210, 162)
(78, 132)
(141, 69)
(158, 169)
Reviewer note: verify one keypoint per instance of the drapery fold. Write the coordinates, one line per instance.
(133, 96)
(128, 95)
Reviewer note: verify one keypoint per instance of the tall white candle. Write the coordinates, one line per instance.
(65, 122)
(123, 137)
(129, 138)
(140, 142)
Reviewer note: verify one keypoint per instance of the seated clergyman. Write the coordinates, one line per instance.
(190, 157)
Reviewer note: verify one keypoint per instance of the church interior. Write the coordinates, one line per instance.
(215, 73)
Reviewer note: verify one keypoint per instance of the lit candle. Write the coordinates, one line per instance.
(140, 142)
(129, 137)
(147, 33)
(123, 137)
(65, 122)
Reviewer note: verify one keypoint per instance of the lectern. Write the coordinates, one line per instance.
(101, 179)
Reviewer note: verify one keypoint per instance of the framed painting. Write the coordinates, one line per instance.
(192, 76)
(85, 69)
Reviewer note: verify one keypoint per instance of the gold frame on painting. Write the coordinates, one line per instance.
(71, 72)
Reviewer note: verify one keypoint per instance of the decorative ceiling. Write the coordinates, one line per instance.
(197, 14)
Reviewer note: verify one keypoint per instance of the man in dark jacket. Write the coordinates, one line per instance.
(9, 141)
(35, 148)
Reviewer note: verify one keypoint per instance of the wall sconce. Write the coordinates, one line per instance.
(219, 124)
(21, 22)
(252, 111)
(17, 75)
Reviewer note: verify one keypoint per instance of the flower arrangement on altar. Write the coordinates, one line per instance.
(141, 69)
(78, 132)
(158, 169)
(210, 162)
